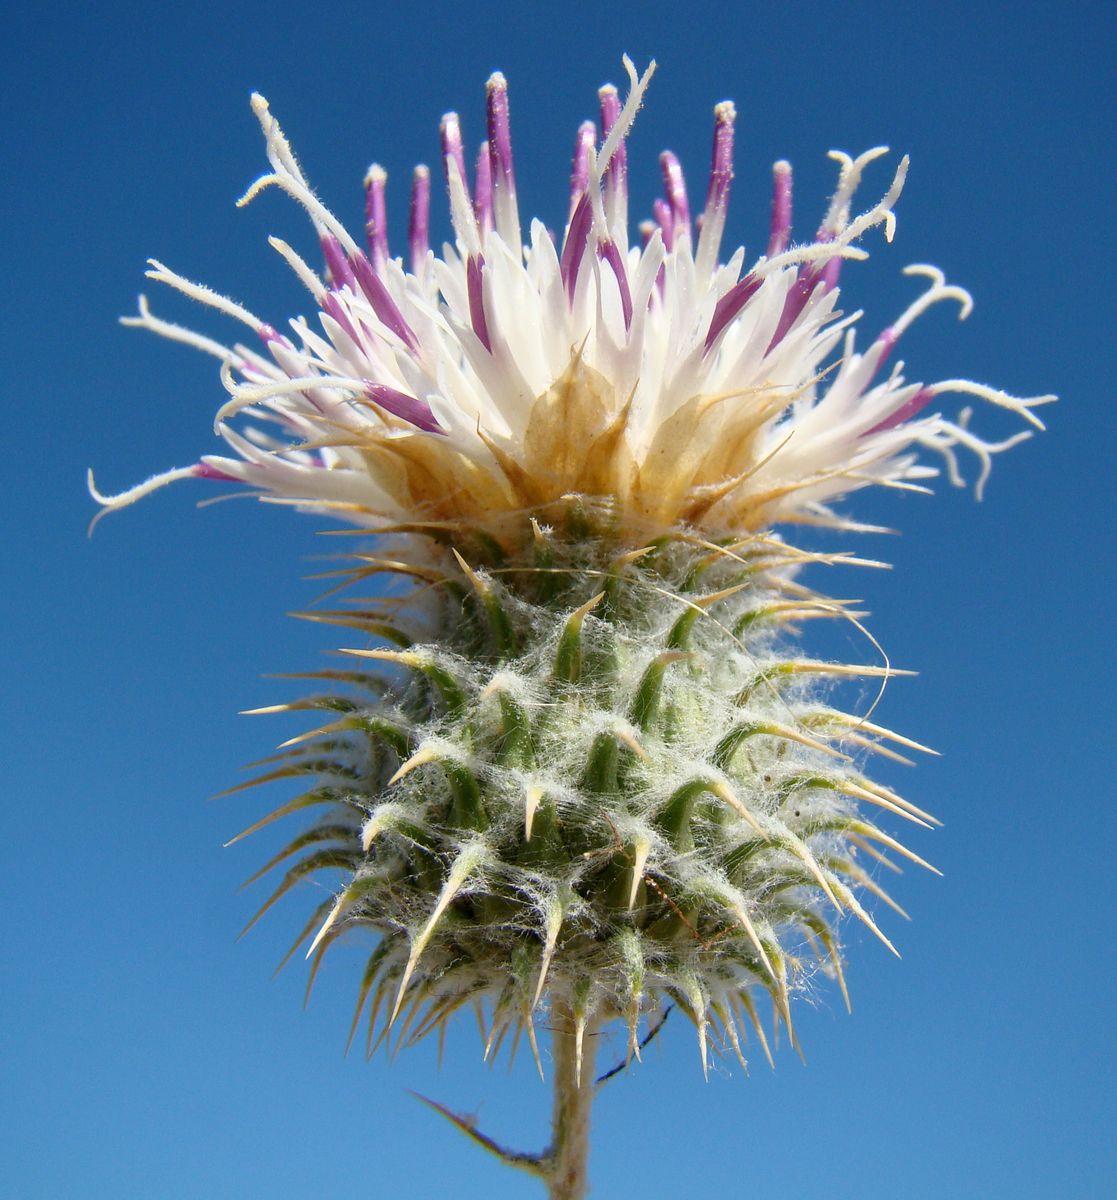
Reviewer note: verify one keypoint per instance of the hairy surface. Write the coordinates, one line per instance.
(593, 776)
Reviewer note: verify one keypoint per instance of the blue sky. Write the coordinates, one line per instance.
(146, 1053)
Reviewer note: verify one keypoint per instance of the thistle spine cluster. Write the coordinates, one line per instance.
(588, 776)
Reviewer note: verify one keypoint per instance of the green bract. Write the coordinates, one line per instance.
(588, 774)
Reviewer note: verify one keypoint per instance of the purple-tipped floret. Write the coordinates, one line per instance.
(341, 273)
(580, 164)
(905, 412)
(721, 157)
(661, 210)
(577, 238)
(505, 215)
(475, 286)
(794, 303)
(204, 470)
(332, 307)
(781, 209)
(483, 190)
(419, 217)
(376, 216)
(500, 135)
(610, 252)
(675, 186)
(730, 305)
(616, 174)
(450, 132)
(401, 405)
(381, 300)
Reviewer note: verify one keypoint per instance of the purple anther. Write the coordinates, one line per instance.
(382, 303)
(730, 305)
(332, 306)
(500, 137)
(609, 251)
(887, 340)
(341, 273)
(905, 412)
(400, 404)
(721, 158)
(793, 305)
(474, 285)
(419, 218)
(661, 210)
(451, 134)
(577, 238)
(376, 216)
(616, 173)
(675, 186)
(810, 276)
(203, 470)
(781, 208)
(830, 273)
(268, 333)
(579, 166)
(831, 270)
(483, 191)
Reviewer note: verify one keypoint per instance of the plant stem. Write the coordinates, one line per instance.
(568, 1155)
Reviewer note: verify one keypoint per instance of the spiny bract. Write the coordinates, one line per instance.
(579, 759)
(599, 774)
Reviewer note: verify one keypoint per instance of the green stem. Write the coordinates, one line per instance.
(568, 1156)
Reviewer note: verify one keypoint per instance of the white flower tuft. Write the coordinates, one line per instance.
(498, 376)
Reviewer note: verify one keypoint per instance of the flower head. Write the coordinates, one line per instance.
(597, 772)
(661, 376)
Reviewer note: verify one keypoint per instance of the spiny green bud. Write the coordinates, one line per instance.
(557, 796)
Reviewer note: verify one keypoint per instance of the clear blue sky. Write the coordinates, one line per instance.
(145, 1053)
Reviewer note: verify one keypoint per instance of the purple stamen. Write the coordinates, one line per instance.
(675, 186)
(401, 405)
(500, 137)
(451, 134)
(483, 191)
(577, 238)
(580, 167)
(781, 208)
(810, 276)
(341, 274)
(721, 158)
(616, 174)
(376, 216)
(382, 303)
(661, 210)
(793, 306)
(474, 284)
(419, 216)
(332, 306)
(887, 340)
(204, 471)
(505, 216)
(730, 305)
(905, 412)
(268, 334)
(829, 273)
(612, 255)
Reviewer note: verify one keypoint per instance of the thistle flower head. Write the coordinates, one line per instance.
(660, 374)
(589, 762)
